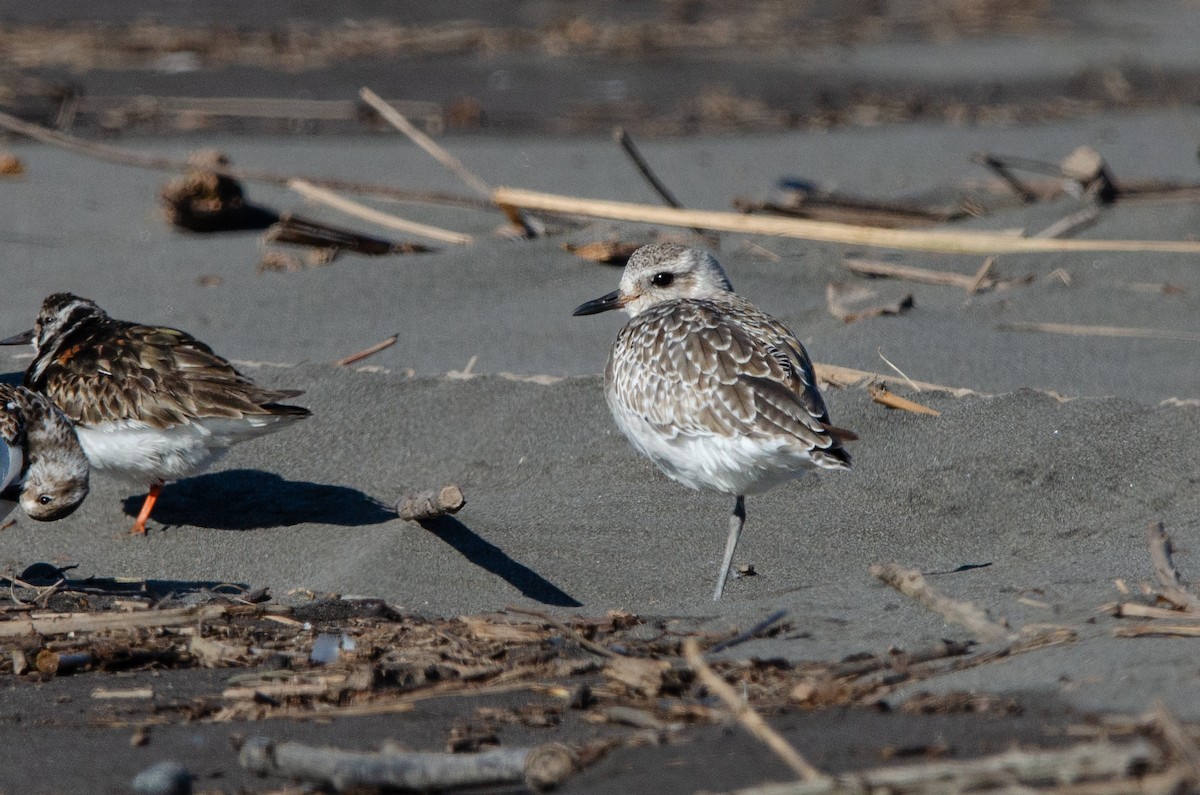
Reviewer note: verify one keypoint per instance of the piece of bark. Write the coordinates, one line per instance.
(850, 303)
(430, 505)
(540, 768)
(638, 674)
(297, 231)
(65, 623)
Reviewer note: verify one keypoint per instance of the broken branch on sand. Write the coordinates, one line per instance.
(430, 505)
(877, 268)
(912, 584)
(365, 352)
(541, 767)
(747, 716)
(1071, 329)
(452, 163)
(1104, 763)
(331, 199)
(885, 397)
(127, 157)
(962, 242)
(1173, 589)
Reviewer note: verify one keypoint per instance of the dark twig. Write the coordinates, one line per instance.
(999, 166)
(621, 136)
(749, 634)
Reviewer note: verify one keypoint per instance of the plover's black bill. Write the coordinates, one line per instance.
(602, 304)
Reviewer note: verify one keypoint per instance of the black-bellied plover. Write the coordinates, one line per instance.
(149, 403)
(719, 395)
(42, 467)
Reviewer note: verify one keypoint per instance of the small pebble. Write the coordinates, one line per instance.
(163, 778)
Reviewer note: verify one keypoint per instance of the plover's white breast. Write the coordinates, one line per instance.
(701, 388)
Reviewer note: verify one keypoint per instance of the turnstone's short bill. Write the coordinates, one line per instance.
(42, 467)
(719, 395)
(149, 403)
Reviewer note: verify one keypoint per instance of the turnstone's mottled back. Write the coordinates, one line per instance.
(149, 403)
(42, 467)
(719, 395)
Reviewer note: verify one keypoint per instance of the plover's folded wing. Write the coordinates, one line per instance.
(697, 368)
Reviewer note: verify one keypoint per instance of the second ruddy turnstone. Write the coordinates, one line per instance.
(149, 403)
(719, 395)
(42, 467)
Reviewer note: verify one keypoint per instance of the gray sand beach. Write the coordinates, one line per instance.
(1030, 498)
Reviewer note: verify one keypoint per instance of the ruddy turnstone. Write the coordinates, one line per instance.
(149, 403)
(42, 467)
(719, 395)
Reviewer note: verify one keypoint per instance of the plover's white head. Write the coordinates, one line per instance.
(662, 272)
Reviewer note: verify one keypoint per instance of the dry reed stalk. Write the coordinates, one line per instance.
(942, 241)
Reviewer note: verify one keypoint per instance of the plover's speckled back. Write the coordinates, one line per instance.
(149, 403)
(719, 395)
(42, 467)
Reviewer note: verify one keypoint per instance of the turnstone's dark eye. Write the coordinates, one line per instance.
(45, 499)
(663, 279)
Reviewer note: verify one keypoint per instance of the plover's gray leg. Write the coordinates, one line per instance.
(736, 520)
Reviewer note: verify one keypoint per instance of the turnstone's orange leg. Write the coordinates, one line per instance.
(139, 526)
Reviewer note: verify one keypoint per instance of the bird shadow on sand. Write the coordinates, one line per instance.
(490, 557)
(12, 379)
(247, 499)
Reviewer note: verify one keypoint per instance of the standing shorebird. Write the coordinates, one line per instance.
(42, 467)
(720, 396)
(149, 403)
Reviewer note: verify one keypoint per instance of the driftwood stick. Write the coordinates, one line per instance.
(1099, 761)
(877, 268)
(1069, 224)
(981, 276)
(452, 163)
(848, 376)
(1071, 329)
(912, 584)
(748, 717)
(430, 504)
(94, 622)
(1164, 567)
(1150, 630)
(365, 352)
(128, 157)
(541, 767)
(961, 242)
(331, 199)
(885, 397)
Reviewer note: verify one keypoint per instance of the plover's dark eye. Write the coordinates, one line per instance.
(663, 279)
(45, 499)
